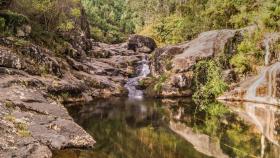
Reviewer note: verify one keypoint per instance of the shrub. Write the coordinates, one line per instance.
(208, 83)
(66, 26)
(22, 129)
(12, 19)
(2, 24)
(248, 53)
(159, 83)
(76, 12)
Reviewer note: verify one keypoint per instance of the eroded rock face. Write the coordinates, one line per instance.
(32, 123)
(176, 62)
(206, 45)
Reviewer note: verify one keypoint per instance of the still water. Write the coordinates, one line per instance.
(127, 128)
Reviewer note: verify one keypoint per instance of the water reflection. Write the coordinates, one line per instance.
(266, 120)
(129, 129)
(125, 128)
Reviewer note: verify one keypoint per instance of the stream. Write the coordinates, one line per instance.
(142, 71)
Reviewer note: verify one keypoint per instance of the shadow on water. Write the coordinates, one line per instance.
(150, 128)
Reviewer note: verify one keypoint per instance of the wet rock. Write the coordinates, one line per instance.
(141, 44)
(269, 45)
(179, 81)
(35, 81)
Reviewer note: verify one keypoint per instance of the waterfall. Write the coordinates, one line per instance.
(143, 70)
(266, 81)
(267, 52)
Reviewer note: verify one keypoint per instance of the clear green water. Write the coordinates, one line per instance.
(126, 128)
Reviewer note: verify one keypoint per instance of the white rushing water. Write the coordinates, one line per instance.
(264, 88)
(267, 52)
(143, 70)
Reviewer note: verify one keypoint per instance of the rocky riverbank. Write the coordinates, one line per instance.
(35, 84)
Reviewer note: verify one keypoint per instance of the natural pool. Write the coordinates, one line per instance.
(176, 128)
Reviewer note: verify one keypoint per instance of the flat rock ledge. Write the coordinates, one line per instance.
(31, 123)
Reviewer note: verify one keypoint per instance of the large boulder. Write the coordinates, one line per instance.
(141, 44)
(206, 45)
(177, 62)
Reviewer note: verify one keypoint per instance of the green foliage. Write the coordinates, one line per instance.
(76, 12)
(239, 142)
(49, 14)
(188, 18)
(10, 19)
(249, 53)
(66, 26)
(111, 21)
(270, 16)
(21, 42)
(159, 83)
(208, 83)
(65, 96)
(22, 129)
(216, 109)
(169, 30)
(2, 24)
(10, 118)
(9, 104)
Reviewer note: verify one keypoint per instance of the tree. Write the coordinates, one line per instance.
(111, 21)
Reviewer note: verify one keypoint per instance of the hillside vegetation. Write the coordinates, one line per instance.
(174, 21)
(168, 21)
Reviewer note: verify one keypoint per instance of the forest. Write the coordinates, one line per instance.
(175, 21)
